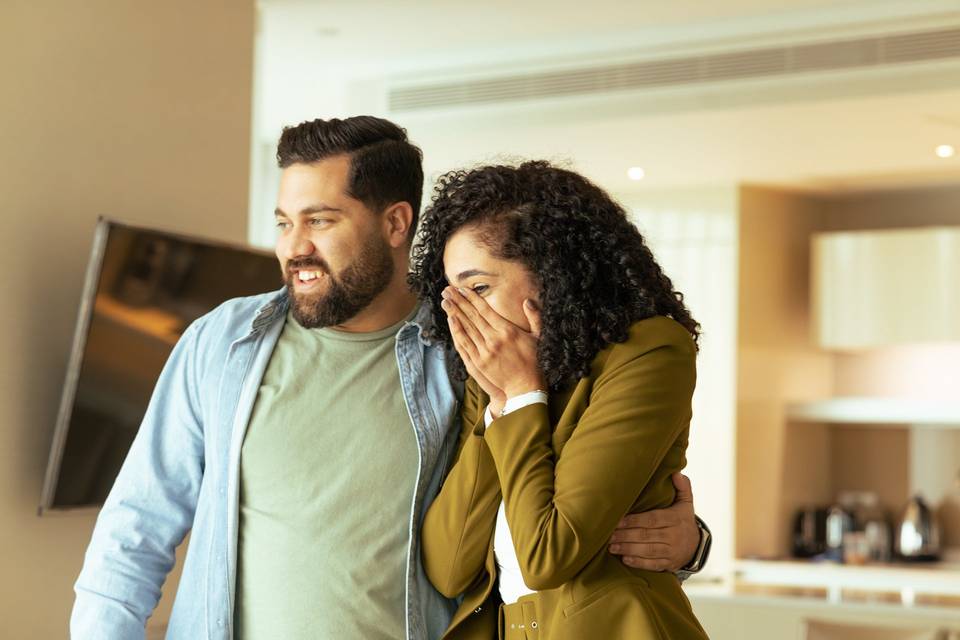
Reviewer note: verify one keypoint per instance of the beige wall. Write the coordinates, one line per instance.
(137, 110)
(778, 465)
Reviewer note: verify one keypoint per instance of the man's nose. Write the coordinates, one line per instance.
(298, 244)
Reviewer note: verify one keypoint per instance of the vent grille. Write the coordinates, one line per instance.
(827, 56)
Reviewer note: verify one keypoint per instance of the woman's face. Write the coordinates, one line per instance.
(504, 284)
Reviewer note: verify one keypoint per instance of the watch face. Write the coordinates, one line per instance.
(703, 549)
(705, 543)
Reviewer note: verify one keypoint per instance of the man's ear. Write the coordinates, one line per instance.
(397, 219)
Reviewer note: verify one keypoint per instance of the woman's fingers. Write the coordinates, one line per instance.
(488, 387)
(461, 341)
(464, 323)
(486, 316)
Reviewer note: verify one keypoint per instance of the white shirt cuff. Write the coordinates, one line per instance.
(516, 402)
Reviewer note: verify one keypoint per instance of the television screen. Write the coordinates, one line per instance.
(143, 288)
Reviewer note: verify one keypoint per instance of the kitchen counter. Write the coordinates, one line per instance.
(741, 609)
(909, 581)
(813, 597)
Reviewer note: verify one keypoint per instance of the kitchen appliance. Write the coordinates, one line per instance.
(918, 535)
(872, 520)
(840, 523)
(809, 532)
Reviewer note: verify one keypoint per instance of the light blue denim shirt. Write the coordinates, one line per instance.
(182, 474)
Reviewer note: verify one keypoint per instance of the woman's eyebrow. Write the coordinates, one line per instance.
(463, 275)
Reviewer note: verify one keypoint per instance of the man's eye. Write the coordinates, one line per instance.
(282, 225)
(319, 222)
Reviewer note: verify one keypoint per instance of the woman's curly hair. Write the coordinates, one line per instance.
(595, 273)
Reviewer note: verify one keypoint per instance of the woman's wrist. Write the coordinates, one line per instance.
(524, 386)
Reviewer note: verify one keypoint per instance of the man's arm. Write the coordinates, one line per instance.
(149, 510)
(671, 539)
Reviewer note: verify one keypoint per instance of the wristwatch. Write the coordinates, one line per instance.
(703, 552)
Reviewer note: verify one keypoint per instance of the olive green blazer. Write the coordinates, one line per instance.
(567, 472)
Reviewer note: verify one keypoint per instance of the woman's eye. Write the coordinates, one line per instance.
(479, 289)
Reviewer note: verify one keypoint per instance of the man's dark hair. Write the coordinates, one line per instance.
(384, 166)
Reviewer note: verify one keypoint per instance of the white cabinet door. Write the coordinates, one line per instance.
(880, 288)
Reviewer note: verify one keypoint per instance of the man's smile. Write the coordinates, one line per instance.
(306, 280)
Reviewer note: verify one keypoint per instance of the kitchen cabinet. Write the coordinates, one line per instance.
(881, 288)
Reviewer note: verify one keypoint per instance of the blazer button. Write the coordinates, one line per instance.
(533, 624)
(477, 610)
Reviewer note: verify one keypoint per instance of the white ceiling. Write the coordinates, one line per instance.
(389, 37)
(384, 29)
(387, 31)
(828, 133)
(849, 143)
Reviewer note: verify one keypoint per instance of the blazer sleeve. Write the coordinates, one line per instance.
(561, 512)
(459, 524)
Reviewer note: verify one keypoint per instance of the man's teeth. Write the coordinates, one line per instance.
(308, 275)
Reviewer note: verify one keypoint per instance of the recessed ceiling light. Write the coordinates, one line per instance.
(636, 173)
(945, 151)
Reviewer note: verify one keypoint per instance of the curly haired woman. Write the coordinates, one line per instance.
(581, 363)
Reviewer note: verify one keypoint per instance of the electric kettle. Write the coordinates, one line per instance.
(917, 537)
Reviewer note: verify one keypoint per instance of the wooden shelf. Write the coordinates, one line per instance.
(877, 411)
(942, 578)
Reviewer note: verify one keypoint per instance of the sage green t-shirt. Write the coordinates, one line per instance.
(327, 474)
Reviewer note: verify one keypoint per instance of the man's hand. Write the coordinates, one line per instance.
(660, 540)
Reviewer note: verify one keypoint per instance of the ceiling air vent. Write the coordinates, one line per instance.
(753, 63)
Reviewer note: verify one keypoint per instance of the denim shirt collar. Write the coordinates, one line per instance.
(275, 308)
(423, 321)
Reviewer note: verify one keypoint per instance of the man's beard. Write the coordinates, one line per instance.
(348, 293)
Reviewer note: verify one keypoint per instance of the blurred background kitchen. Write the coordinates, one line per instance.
(793, 164)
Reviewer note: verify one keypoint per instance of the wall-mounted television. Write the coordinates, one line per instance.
(143, 288)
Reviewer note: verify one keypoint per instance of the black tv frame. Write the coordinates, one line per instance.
(84, 316)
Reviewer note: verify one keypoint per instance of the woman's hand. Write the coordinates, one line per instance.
(498, 354)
